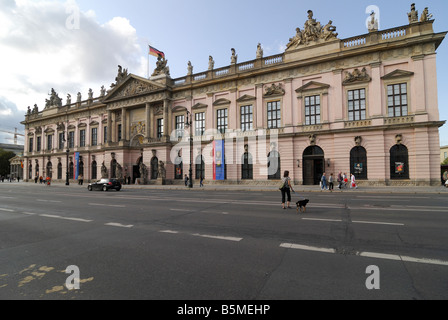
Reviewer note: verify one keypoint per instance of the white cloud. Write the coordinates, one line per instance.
(39, 51)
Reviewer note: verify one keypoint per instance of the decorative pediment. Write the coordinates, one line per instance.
(245, 98)
(221, 102)
(356, 77)
(313, 86)
(94, 123)
(179, 109)
(199, 106)
(133, 86)
(49, 131)
(398, 74)
(274, 90)
(82, 125)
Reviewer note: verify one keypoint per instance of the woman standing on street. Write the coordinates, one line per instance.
(286, 190)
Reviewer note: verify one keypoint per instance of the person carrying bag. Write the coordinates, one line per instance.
(286, 189)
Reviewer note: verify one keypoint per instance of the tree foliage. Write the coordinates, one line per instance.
(4, 161)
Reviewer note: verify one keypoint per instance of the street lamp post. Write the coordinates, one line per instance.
(67, 180)
(189, 124)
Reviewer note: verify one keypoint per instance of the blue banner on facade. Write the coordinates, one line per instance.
(76, 172)
(219, 160)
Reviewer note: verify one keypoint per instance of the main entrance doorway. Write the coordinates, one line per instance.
(313, 165)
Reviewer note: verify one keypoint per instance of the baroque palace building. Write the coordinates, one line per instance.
(365, 105)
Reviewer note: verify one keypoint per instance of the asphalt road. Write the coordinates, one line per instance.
(206, 245)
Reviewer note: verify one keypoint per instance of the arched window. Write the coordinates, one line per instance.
(247, 171)
(399, 162)
(94, 170)
(274, 166)
(358, 162)
(59, 171)
(200, 167)
(154, 168)
(178, 168)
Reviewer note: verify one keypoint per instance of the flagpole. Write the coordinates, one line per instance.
(148, 61)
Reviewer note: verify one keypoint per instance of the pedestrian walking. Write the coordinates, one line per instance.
(80, 179)
(344, 180)
(286, 190)
(186, 180)
(201, 181)
(353, 182)
(340, 180)
(323, 181)
(331, 182)
(445, 177)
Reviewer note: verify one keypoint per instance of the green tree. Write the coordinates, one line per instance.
(445, 162)
(4, 161)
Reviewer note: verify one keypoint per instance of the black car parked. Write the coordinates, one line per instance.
(105, 185)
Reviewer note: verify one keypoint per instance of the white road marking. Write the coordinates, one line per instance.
(375, 255)
(397, 209)
(7, 210)
(52, 201)
(181, 210)
(29, 213)
(169, 231)
(383, 223)
(218, 237)
(113, 224)
(107, 205)
(64, 218)
(327, 220)
(307, 248)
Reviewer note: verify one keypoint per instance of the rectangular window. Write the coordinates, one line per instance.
(82, 138)
(94, 141)
(105, 134)
(199, 123)
(357, 105)
(39, 144)
(312, 110)
(180, 126)
(274, 115)
(49, 142)
(247, 118)
(71, 139)
(119, 132)
(30, 146)
(397, 100)
(61, 140)
(159, 128)
(222, 120)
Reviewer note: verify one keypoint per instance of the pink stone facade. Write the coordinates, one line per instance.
(365, 105)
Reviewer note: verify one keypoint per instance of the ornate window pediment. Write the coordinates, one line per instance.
(221, 102)
(199, 106)
(274, 90)
(245, 98)
(398, 74)
(356, 77)
(313, 86)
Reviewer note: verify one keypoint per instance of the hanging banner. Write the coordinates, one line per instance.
(76, 171)
(218, 160)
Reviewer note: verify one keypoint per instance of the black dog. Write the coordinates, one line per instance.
(301, 205)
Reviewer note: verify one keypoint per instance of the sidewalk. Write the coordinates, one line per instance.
(263, 188)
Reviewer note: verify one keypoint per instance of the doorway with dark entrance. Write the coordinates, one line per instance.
(313, 165)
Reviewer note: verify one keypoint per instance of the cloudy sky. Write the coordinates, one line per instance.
(75, 45)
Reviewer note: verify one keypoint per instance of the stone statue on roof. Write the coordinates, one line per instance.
(161, 67)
